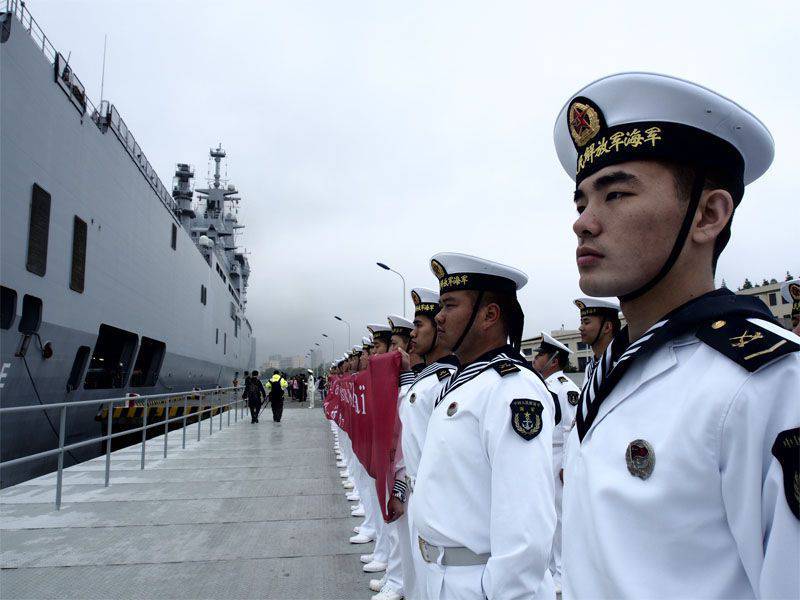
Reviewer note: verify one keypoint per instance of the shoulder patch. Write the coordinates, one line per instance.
(787, 450)
(562, 379)
(526, 417)
(573, 398)
(443, 373)
(745, 343)
(505, 367)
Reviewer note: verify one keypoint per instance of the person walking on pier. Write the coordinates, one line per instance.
(277, 385)
(255, 394)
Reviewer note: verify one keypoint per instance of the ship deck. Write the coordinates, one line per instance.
(252, 511)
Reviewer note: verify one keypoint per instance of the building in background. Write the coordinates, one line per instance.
(769, 292)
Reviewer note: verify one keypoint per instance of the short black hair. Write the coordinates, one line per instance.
(511, 314)
(254, 373)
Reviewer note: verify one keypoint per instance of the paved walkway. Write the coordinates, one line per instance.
(255, 511)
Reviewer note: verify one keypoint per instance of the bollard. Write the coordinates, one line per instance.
(61, 434)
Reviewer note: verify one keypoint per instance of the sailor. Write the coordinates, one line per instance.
(551, 358)
(791, 293)
(311, 388)
(484, 504)
(599, 324)
(381, 337)
(366, 345)
(415, 407)
(681, 472)
(255, 395)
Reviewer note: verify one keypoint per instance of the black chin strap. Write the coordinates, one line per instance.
(475, 308)
(680, 240)
(599, 332)
(433, 343)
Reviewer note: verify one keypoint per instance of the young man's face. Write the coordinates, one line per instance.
(398, 343)
(456, 309)
(540, 364)
(589, 328)
(423, 335)
(380, 347)
(629, 217)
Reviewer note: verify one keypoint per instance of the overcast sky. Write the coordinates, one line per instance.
(372, 131)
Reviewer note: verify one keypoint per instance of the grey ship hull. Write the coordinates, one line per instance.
(134, 279)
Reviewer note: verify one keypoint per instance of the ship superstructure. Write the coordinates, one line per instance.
(110, 282)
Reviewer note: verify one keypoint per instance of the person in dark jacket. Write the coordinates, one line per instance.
(255, 394)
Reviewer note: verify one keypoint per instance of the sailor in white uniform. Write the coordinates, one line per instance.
(551, 358)
(599, 324)
(790, 290)
(415, 407)
(681, 473)
(484, 496)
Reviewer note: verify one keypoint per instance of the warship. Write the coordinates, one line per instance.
(112, 284)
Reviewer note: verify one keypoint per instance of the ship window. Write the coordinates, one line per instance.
(78, 271)
(31, 314)
(225, 343)
(236, 327)
(216, 339)
(111, 359)
(148, 363)
(78, 367)
(8, 307)
(174, 237)
(773, 299)
(38, 231)
(203, 294)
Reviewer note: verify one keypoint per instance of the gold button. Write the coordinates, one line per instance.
(718, 324)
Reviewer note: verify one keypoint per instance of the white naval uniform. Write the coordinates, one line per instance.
(483, 487)
(712, 519)
(568, 395)
(416, 405)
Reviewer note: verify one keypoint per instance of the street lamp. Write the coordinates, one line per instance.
(338, 318)
(333, 352)
(388, 268)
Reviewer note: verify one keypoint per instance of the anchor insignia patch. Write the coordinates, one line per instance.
(526, 417)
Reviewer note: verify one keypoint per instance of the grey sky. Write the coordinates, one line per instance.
(364, 131)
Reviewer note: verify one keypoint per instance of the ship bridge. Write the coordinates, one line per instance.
(221, 508)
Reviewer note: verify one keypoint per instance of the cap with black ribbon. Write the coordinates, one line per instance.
(380, 332)
(646, 116)
(457, 272)
(790, 290)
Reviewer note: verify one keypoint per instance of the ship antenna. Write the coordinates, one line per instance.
(103, 75)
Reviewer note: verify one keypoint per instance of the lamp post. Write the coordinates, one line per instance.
(338, 318)
(333, 352)
(388, 268)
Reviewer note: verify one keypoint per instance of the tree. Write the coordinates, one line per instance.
(789, 276)
(773, 280)
(765, 282)
(723, 283)
(746, 285)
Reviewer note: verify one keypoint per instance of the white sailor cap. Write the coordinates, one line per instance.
(379, 331)
(357, 349)
(400, 325)
(550, 344)
(642, 116)
(464, 272)
(366, 342)
(426, 301)
(597, 306)
(790, 290)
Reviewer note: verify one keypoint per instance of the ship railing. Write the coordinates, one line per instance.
(214, 401)
(115, 122)
(106, 115)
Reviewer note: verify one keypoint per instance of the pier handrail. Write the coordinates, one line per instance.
(234, 404)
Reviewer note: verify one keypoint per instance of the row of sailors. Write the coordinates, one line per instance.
(680, 456)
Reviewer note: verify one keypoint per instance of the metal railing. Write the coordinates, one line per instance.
(171, 400)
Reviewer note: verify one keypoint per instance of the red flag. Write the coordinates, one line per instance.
(384, 374)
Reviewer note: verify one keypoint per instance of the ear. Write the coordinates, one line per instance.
(491, 315)
(713, 214)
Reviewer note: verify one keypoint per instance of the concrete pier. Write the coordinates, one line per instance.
(254, 511)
